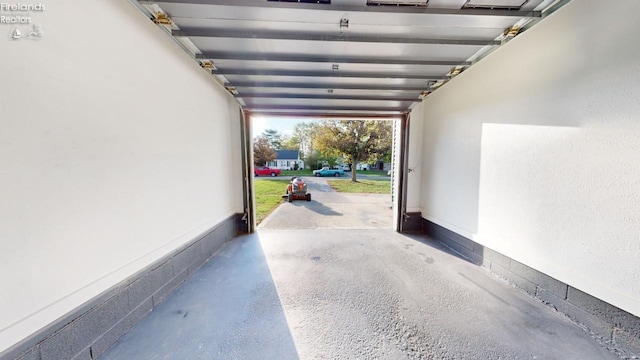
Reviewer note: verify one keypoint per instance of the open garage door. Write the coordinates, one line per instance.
(340, 57)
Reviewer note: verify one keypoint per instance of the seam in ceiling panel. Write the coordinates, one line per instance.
(495, 4)
(423, 3)
(305, 1)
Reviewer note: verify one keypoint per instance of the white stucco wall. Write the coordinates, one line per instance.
(115, 148)
(535, 151)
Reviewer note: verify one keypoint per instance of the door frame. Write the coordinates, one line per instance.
(400, 173)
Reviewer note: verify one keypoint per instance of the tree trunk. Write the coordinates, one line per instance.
(354, 166)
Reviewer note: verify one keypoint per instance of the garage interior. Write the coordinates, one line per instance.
(516, 181)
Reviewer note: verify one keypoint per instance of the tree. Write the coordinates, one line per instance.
(262, 152)
(273, 137)
(355, 140)
(306, 134)
(312, 160)
(289, 143)
(326, 153)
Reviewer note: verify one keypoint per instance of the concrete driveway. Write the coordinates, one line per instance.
(329, 209)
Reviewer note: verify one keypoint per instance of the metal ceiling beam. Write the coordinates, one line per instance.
(337, 74)
(212, 55)
(320, 115)
(290, 85)
(546, 12)
(355, 8)
(363, 109)
(262, 35)
(325, 96)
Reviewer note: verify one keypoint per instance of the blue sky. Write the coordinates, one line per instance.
(282, 125)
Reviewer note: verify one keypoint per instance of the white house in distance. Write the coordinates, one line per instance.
(286, 160)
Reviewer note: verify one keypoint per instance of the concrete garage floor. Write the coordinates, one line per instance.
(366, 293)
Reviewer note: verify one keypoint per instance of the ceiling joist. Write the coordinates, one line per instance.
(261, 35)
(355, 8)
(295, 85)
(336, 74)
(325, 59)
(385, 109)
(327, 115)
(250, 95)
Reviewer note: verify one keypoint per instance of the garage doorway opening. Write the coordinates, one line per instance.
(301, 175)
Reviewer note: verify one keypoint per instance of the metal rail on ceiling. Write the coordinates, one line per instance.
(250, 95)
(368, 109)
(261, 35)
(336, 74)
(356, 8)
(335, 115)
(382, 87)
(325, 59)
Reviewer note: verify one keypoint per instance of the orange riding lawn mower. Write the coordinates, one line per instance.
(297, 190)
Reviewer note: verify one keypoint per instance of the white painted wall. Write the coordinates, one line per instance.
(535, 151)
(115, 148)
(414, 161)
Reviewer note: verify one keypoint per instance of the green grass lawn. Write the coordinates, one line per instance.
(291, 173)
(372, 172)
(268, 197)
(362, 186)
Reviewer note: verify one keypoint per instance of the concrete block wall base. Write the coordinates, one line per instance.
(412, 223)
(617, 329)
(88, 331)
